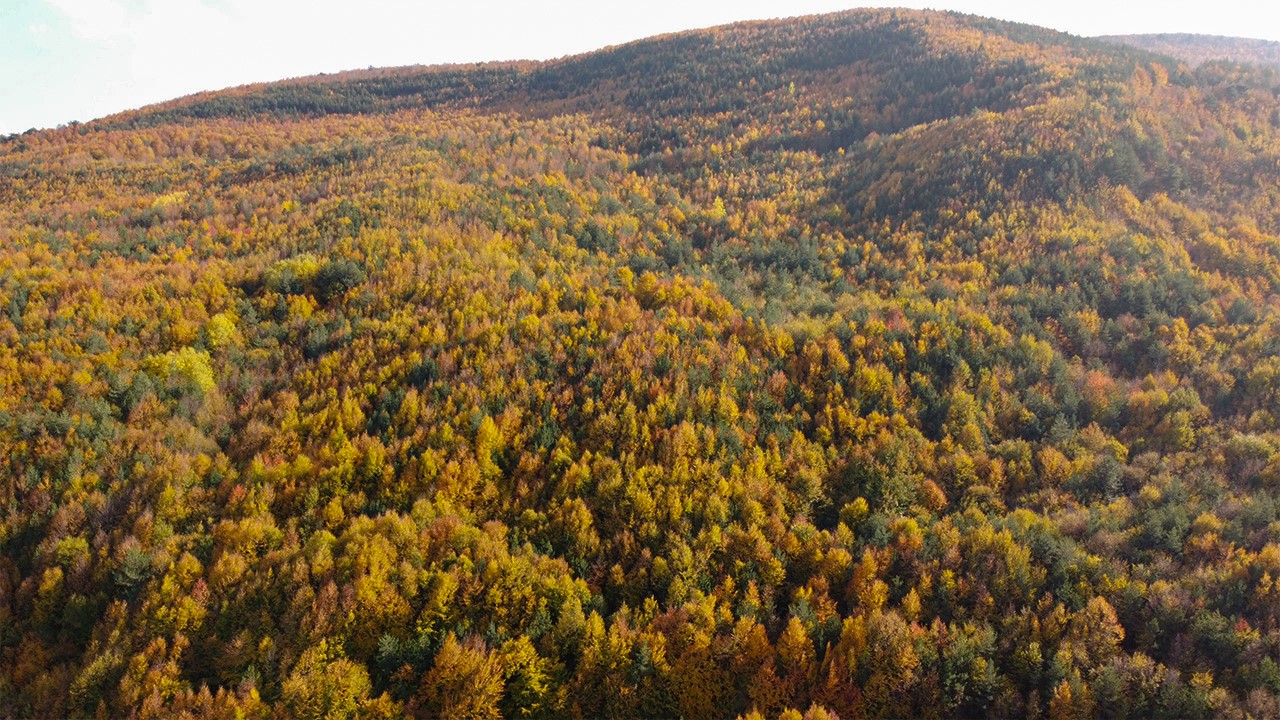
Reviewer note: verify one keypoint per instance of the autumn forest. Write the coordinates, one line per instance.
(876, 364)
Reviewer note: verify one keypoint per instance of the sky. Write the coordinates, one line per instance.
(64, 60)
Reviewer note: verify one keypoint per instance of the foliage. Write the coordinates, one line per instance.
(873, 364)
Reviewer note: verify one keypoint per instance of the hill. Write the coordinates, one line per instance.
(876, 364)
(1200, 49)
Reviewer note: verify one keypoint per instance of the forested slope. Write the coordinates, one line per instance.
(875, 364)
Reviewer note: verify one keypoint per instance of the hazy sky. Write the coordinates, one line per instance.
(63, 60)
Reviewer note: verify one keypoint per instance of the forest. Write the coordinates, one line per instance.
(868, 365)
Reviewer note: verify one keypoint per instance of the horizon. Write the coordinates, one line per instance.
(89, 59)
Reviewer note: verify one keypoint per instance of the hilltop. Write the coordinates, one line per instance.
(894, 53)
(876, 364)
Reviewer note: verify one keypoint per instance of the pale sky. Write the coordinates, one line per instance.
(63, 60)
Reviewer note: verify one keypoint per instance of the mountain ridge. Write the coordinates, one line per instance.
(555, 70)
(1198, 49)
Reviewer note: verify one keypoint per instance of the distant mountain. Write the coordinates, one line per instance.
(1199, 49)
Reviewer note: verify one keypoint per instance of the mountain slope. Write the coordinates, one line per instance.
(881, 363)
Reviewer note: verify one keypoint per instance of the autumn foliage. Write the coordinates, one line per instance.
(877, 364)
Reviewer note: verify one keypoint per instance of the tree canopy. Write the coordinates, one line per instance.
(874, 364)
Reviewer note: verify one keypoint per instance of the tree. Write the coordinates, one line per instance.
(324, 684)
(464, 682)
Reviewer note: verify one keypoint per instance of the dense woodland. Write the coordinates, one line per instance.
(868, 365)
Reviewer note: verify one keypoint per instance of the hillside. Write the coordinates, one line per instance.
(1199, 49)
(876, 364)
